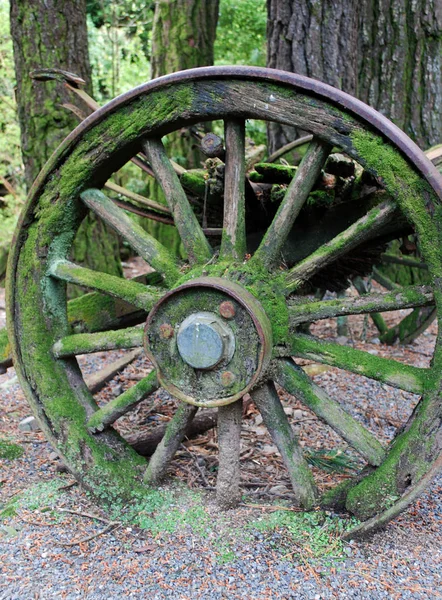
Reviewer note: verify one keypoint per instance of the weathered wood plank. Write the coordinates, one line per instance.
(233, 243)
(268, 403)
(296, 382)
(192, 236)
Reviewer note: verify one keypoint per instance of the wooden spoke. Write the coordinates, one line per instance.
(377, 318)
(268, 403)
(411, 326)
(391, 372)
(296, 382)
(362, 230)
(192, 236)
(144, 244)
(233, 242)
(110, 185)
(294, 199)
(125, 402)
(87, 343)
(228, 492)
(170, 443)
(134, 293)
(408, 297)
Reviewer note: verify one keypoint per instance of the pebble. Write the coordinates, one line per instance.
(29, 424)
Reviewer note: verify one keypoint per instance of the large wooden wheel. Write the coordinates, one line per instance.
(223, 323)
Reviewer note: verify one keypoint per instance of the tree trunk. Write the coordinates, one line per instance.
(46, 34)
(387, 53)
(52, 34)
(400, 64)
(183, 37)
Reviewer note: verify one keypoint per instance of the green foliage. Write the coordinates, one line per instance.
(119, 40)
(9, 450)
(241, 33)
(311, 535)
(11, 166)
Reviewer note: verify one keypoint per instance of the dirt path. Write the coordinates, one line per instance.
(55, 543)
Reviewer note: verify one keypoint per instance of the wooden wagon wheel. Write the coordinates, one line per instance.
(220, 325)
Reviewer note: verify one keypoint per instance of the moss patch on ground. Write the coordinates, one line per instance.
(9, 450)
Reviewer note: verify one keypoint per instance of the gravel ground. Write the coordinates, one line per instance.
(183, 547)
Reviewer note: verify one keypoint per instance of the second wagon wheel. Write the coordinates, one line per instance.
(222, 324)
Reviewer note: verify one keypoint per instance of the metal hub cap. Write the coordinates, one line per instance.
(203, 340)
(209, 340)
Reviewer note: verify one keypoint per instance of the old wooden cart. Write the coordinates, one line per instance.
(225, 321)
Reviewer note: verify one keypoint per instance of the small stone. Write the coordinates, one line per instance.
(373, 352)
(375, 340)
(269, 449)
(29, 424)
(260, 431)
(279, 489)
(258, 420)
(288, 410)
(342, 339)
(298, 414)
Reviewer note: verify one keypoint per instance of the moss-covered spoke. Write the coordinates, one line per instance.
(391, 372)
(267, 401)
(296, 382)
(294, 199)
(134, 293)
(87, 343)
(144, 244)
(233, 243)
(364, 229)
(192, 236)
(125, 402)
(166, 449)
(407, 297)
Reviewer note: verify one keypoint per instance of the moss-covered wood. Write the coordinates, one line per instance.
(228, 493)
(125, 402)
(306, 312)
(37, 308)
(392, 372)
(87, 343)
(269, 405)
(293, 379)
(166, 449)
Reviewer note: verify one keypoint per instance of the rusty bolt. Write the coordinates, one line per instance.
(227, 309)
(166, 331)
(227, 378)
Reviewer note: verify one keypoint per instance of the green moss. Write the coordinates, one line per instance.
(315, 534)
(5, 349)
(9, 450)
(413, 194)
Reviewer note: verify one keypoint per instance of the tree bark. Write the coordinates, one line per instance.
(387, 53)
(46, 34)
(53, 34)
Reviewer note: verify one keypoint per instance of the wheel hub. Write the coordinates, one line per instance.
(209, 340)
